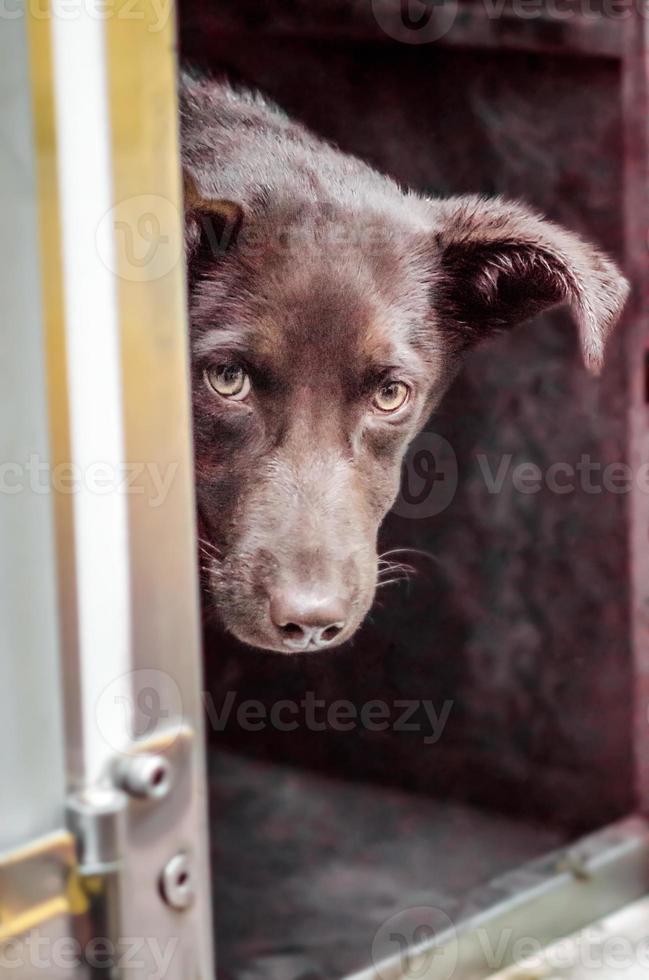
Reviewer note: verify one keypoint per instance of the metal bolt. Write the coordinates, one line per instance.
(146, 776)
(176, 883)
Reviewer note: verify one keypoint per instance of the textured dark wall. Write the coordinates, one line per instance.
(522, 620)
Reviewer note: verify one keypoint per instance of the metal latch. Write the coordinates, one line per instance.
(75, 873)
(37, 883)
(58, 875)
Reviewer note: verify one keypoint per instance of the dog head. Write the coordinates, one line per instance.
(324, 333)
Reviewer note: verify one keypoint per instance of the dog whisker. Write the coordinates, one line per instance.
(208, 546)
(418, 552)
(394, 571)
(391, 581)
(397, 567)
(208, 543)
(389, 564)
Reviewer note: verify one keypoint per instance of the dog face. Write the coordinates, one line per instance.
(322, 341)
(311, 374)
(324, 332)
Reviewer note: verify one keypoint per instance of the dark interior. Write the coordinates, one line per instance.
(518, 615)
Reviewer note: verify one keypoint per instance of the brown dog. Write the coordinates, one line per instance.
(329, 311)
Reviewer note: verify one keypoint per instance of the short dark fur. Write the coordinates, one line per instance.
(326, 280)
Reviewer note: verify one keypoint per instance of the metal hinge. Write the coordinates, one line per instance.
(75, 873)
(62, 875)
(71, 875)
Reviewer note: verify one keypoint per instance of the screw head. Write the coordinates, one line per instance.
(177, 883)
(145, 776)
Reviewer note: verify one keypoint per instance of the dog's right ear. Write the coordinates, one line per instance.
(499, 263)
(211, 225)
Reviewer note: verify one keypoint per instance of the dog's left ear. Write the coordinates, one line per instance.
(499, 264)
(211, 225)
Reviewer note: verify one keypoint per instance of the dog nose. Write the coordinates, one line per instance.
(308, 618)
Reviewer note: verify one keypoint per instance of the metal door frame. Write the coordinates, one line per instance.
(132, 811)
(129, 863)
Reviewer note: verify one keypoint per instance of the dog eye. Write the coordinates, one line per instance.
(229, 381)
(391, 396)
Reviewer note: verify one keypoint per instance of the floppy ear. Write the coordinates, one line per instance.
(499, 264)
(211, 226)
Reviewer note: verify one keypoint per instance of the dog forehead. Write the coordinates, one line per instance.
(316, 307)
(334, 321)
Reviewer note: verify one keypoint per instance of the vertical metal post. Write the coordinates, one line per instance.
(30, 705)
(36, 854)
(636, 115)
(112, 235)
